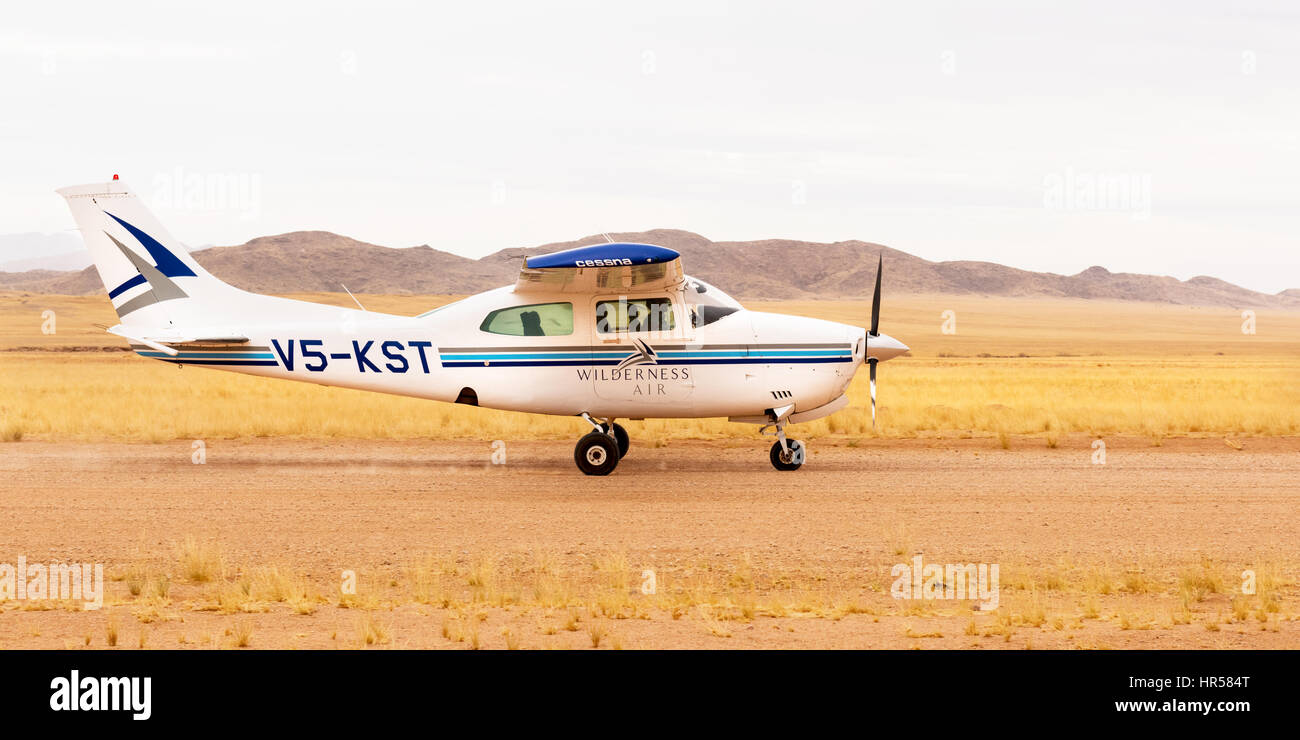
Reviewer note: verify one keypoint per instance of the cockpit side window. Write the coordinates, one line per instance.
(536, 320)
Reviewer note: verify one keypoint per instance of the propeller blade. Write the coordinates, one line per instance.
(874, 332)
(873, 362)
(875, 300)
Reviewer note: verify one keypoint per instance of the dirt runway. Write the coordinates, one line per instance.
(321, 508)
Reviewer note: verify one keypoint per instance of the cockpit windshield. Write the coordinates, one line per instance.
(700, 292)
(707, 303)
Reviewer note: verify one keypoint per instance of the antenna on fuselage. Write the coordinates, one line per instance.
(354, 298)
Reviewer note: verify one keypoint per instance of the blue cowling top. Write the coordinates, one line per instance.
(618, 254)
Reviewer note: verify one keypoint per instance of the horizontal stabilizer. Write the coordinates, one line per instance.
(159, 339)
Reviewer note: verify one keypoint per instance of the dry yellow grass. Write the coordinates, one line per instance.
(1047, 328)
(199, 561)
(371, 631)
(1037, 600)
(1087, 367)
(242, 633)
(73, 396)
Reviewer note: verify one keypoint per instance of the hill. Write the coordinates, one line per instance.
(308, 261)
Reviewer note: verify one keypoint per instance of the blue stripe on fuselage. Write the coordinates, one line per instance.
(210, 355)
(259, 363)
(686, 355)
(616, 362)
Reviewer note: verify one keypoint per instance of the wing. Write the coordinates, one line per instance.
(602, 268)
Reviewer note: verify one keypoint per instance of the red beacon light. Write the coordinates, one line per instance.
(115, 176)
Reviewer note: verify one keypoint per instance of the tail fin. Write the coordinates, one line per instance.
(150, 277)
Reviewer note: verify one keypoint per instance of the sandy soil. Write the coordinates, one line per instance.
(839, 524)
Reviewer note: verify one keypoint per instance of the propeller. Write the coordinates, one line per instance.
(875, 299)
(874, 332)
(872, 362)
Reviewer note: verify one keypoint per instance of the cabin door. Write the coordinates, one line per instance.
(640, 349)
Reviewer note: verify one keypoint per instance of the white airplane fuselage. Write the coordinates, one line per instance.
(737, 366)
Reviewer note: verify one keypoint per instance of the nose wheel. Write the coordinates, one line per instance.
(786, 454)
(790, 458)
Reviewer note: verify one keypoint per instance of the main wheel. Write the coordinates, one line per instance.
(596, 454)
(624, 442)
(792, 460)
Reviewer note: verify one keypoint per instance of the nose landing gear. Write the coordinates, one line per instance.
(789, 458)
(786, 454)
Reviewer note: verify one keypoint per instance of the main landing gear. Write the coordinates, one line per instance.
(599, 451)
(786, 454)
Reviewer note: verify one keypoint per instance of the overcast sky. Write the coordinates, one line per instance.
(1159, 137)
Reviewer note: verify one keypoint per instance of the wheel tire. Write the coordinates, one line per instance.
(596, 454)
(624, 442)
(794, 460)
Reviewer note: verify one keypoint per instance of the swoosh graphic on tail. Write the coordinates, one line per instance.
(162, 288)
(168, 263)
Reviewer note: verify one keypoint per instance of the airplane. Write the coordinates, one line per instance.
(602, 332)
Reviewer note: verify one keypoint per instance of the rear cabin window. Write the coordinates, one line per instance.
(537, 320)
(637, 315)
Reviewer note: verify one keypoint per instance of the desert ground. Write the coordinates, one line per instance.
(1128, 467)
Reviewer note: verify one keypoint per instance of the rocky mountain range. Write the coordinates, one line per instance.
(306, 261)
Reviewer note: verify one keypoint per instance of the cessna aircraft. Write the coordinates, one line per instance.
(602, 332)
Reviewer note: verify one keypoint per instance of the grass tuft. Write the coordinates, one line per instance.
(199, 562)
